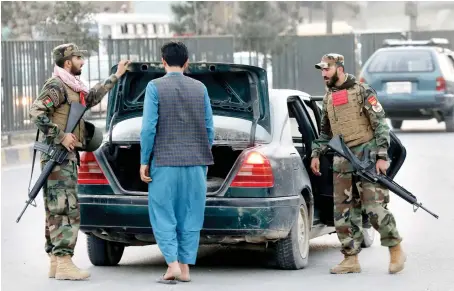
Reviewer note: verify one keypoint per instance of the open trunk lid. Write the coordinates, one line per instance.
(236, 91)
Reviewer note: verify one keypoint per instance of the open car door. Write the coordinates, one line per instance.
(396, 152)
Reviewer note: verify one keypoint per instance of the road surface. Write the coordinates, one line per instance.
(428, 173)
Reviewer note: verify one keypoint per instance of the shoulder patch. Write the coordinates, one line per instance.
(377, 108)
(372, 100)
(48, 102)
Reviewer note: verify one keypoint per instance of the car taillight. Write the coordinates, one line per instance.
(89, 170)
(441, 84)
(254, 172)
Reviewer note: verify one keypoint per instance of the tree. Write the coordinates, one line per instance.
(260, 24)
(70, 21)
(22, 16)
(196, 17)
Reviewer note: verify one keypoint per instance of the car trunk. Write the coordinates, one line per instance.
(124, 162)
(240, 105)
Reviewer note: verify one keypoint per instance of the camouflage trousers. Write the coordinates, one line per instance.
(349, 204)
(62, 210)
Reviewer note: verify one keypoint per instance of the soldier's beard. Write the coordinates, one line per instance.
(333, 80)
(75, 71)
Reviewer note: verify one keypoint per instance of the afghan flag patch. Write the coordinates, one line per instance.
(48, 102)
(372, 100)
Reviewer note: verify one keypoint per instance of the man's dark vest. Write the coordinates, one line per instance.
(181, 134)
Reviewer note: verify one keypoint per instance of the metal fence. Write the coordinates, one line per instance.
(27, 64)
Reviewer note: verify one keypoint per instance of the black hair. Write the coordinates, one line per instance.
(174, 53)
(61, 62)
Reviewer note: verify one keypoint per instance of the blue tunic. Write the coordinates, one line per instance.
(176, 195)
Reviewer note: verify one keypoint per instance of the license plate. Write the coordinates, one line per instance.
(398, 88)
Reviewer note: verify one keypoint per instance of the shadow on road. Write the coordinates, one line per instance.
(215, 258)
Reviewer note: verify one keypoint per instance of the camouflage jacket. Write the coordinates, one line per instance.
(42, 109)
(378, 146)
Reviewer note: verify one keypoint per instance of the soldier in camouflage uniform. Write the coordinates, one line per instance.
(351, 108)
(50, 112)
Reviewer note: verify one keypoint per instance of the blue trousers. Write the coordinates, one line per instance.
(176, 205)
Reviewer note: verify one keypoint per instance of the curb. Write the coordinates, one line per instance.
(19, 154)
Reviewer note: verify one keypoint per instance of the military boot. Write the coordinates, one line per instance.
(350, 264)
(66, 270)
(397, 259)
(53, 266)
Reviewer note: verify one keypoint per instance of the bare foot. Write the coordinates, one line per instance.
(184, 272)
(173, 271)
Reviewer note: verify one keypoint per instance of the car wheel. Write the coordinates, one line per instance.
(292, 253)
(449, 122)
(102, 252)
(397, 124)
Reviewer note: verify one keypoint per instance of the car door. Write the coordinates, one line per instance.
(322, 186)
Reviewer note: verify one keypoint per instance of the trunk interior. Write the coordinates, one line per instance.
(125, 163)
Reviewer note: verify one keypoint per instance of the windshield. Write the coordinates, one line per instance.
(402, 61)
(227, 130)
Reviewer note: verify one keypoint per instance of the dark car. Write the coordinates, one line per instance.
(414, 80)
(259, 191)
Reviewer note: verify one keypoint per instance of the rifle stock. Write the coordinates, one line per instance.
(58, 153)
(366, 169)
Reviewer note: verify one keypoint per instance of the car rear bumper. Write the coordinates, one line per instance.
(229, 220)
(417, 107)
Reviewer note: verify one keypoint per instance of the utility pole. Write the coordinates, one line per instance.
(329, 16)
(411, 10)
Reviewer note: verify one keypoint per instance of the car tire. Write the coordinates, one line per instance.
(292, 253)
(102, 252)
(449, 123)
(397, 124)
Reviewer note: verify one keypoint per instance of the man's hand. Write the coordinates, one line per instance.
(145, 173)
(69, 141)
(381, 166)
(121, 69)
(315, 166)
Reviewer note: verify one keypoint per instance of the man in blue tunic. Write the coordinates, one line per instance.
(176, 139)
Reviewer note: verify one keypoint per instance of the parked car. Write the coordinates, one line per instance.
(414, 80)
(260, 189)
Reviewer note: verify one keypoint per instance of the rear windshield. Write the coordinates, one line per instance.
(402, 61)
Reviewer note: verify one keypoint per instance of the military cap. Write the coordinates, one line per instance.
(67, 50)
(330, 60)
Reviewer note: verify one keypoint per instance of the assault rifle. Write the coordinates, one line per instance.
(366, 169)
(58, 153)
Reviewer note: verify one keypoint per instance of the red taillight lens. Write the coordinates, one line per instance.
(89, 170)
(441, 84)
(254, 172)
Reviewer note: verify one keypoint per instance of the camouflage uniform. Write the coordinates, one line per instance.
(359, 117)
(50, 112)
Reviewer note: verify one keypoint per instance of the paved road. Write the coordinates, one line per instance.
(427, 173)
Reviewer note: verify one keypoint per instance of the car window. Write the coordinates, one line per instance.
(402, 61)
(312, 116)
(293, 124)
